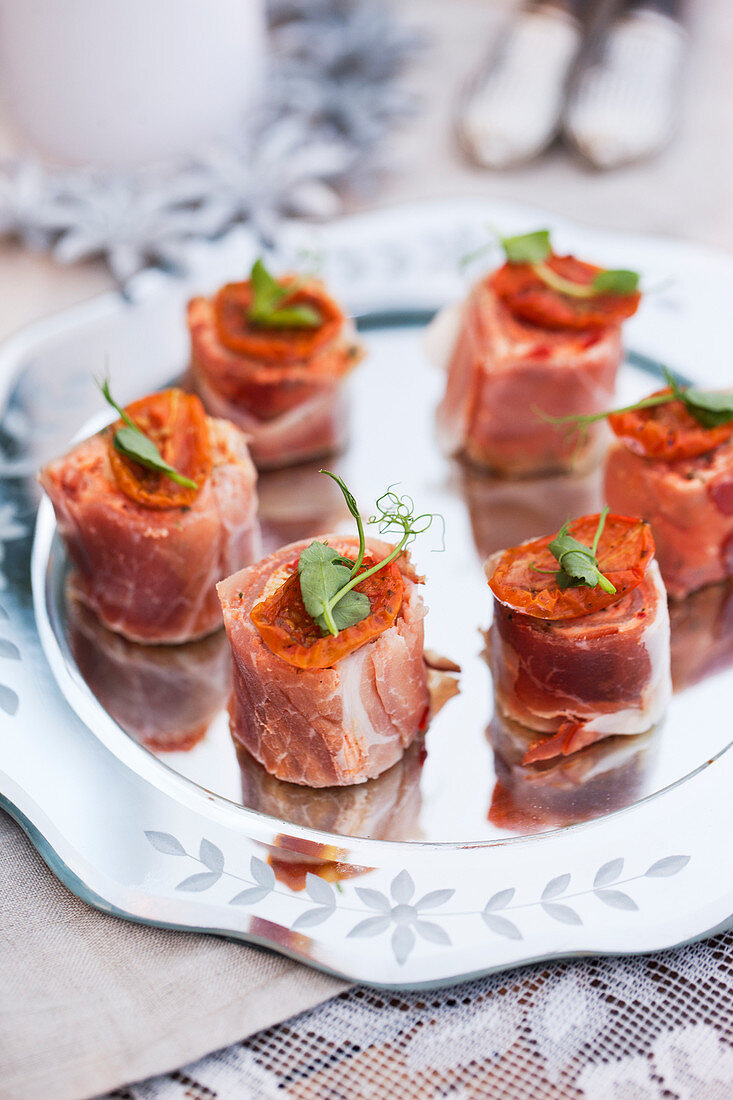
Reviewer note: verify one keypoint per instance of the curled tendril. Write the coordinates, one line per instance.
(397, 513)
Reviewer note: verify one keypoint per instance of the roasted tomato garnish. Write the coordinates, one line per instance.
(530, 299)
(668, 431)
(275, 345)
(176, 422)
(288, 630)
(625, 549)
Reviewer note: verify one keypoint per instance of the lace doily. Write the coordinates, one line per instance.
(657, 1027)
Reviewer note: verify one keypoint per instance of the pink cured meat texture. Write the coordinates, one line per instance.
(315, 423)
(689, 505)
(588, 678)
(501, 368)
(151, 575)
(333, 726)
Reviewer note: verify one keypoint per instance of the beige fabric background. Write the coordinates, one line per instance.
(87, 1001)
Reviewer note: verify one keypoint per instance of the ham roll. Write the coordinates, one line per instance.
(538, 338)
(335, 725)
(576, 662)
(283, 387)
(147, 553)
(688, 501)
(500, 368)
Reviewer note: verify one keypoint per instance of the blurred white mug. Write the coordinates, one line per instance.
(125, 82)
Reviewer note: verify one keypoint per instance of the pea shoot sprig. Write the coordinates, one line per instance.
(709, 409)
(536, 248)
(269, 297)
(135, 445)
(578, 563)
(328, 580)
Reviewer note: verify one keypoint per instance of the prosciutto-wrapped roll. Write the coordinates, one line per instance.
(164, 696)
(673, 464)
(539, 337)
(579, 647)
(330, 686)
(272, 357)
(153, 511)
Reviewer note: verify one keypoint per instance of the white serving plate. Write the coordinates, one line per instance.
(449, 894)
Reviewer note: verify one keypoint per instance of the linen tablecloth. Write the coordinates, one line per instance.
(88, 1001)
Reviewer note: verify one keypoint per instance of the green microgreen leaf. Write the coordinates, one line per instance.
(322, 573)
(293, 317)
(527, 248)
(615, 281)
(138, 447)
(328, 580)
(349, 610)
(578, 562)
(535, 248)
(354, 510)
(268, 294)
(710, 409)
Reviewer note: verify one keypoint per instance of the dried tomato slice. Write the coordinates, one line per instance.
(288, 630)
(275, 345)
(530, 299)
(177, 424)
(625, 549)
(667, 432)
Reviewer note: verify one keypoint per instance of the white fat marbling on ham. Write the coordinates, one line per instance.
(151, 574)
(333, 726)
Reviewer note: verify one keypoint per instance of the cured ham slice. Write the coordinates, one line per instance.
(688, 502)
(501, 368)
(149, 572)
(285, 391)
(323, 727)
(597, 780)
(580, 677)
(164, 696)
